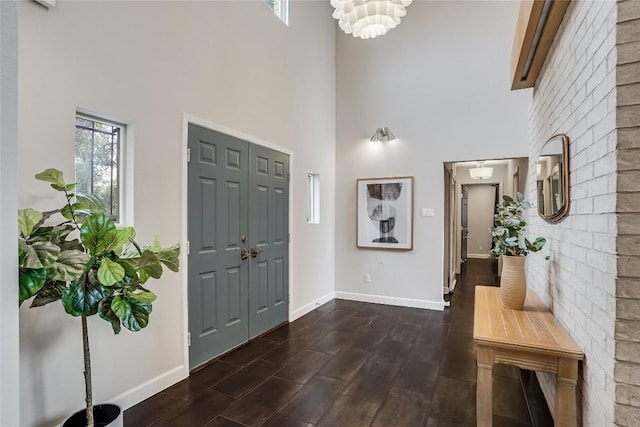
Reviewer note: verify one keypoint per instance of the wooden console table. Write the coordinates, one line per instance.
(530, 338)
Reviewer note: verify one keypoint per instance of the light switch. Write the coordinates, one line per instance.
(428, 212)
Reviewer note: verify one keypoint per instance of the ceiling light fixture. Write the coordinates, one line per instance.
(369, 19)
(480, 171)
(382, 134)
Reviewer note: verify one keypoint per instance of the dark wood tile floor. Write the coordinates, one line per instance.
(350, 364)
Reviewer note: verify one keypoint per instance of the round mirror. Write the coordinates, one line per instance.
(552, 178)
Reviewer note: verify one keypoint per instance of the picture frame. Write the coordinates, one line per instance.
(384, 213)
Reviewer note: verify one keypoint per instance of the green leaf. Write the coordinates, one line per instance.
(46, 252)
(83, 296)
(96, 233)
(37, 255)
(121, 307)
(42, 234)
(30, 281)
(536, 245)
(155, 246)
(29, 257)
(170, 257)
(59, 233)
(27, 220)
(110, 272)
(146, 297)
(69, 266)
(106, 312)
(131, 232)
(70, 187)
(51, 175)
(50, 292)
(91, 203)
(149, 264)
(139, 317)
(130, 274)
(143, 275)
(22, 249)
(78, 209)
(115, 240)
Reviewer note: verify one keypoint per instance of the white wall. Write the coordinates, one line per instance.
(232, 63)
(482, 203)
(9, 361)
(575, 94)
(440, 81)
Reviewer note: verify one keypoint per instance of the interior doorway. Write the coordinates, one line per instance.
(481, 199)
(472, 190)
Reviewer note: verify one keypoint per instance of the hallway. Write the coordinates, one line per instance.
(351, 364)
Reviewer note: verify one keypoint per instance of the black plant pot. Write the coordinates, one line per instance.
(103, 415)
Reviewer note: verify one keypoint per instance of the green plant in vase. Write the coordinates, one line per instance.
(509, 227)
(509, 242)
(77, 255)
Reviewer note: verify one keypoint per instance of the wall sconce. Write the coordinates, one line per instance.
(382, 134)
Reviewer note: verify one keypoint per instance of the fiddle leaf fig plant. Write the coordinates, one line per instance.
(509, 226)
(77, 255)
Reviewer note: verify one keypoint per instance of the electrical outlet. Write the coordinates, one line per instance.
(367, 278)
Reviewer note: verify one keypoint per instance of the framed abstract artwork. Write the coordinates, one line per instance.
(385, 213)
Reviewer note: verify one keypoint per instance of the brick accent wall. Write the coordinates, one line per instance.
(576, 95)
(627, 369)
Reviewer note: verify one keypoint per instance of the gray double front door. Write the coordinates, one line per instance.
(238, 222)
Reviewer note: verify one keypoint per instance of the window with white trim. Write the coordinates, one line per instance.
(313, 198)
(280, 8)
(99, 148)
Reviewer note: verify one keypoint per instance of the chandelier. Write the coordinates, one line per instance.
(368, 19)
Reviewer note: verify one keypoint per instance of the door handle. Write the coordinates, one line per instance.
(255, 252)
(244, 254)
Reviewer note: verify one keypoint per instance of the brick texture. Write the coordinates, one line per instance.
(627, 352)
(576, 95)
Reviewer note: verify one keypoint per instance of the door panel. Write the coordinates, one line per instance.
(207, 210)
(268, 236)
(234, 230)
(208, 310)
(218, 277)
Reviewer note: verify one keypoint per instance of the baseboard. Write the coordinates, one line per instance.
(478, 256)
(381, 299)
(307, 308)
(147, 389)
